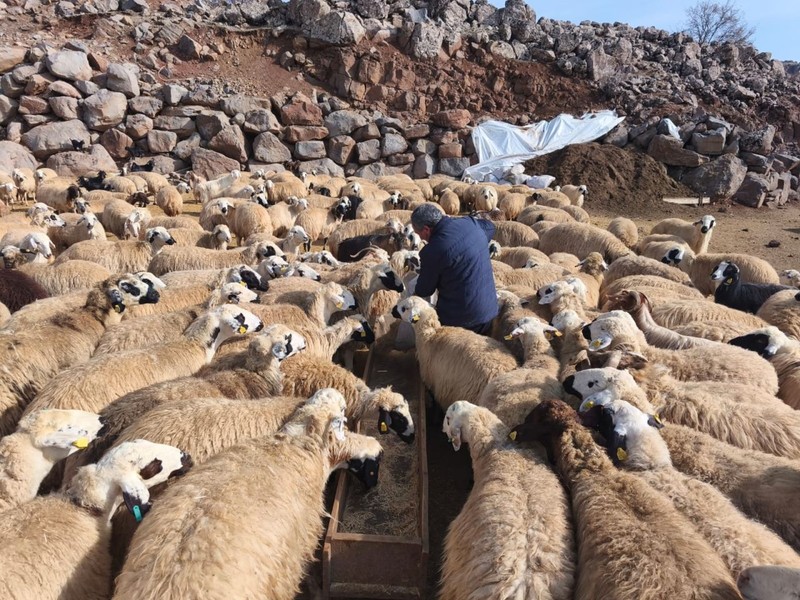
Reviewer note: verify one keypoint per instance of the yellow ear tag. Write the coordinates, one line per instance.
(597, 343)
(729, 281)
(512, 436)
(557, 333)
(242, 329)
(415, 318)
(117, 308)
(508, 337)
(657, 418)
(340, 304)
(81, 443)
(589, 405)
(621, 454)
(384, 429)
(243, 284)
(548, 335)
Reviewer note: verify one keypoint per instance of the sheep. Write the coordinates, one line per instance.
(766, 582)
(640, 265)
(78, 228)
(582, 239)
(248, 218)
(8, 193)
(169, 200)
(632, 542)
(43, 174)
(697, 234)
(769, 426)
(206, 191)
(217, 239)
(284, 214)
(513, 538)
(551, 198)
(5, 315)
(172, 223)
(568, 294)
(659, 289)
(71, 276)
(783, 353)
(319, 223)
(154, 181)
(516, 257)
(454, 363)
(632, 438)
(680, 312)
(375, 207)
(59, 192)
(26, 185)
(790, 277)
(115, 215)
(533, 215)
(451, 203)
(700, 267)
(710, 362)
(350, 229)
(626, 230)
(58, 546)
(481, 198)
(96, 383)
(716, 331)
(512, 395)
(532, 277)
(215, 213)
(734, 293)
(281, 191)
(186, 259)
(511, 233)
(42, 439)
(270, 560)
(576, 193)
(781, 310)
(214, 278)
(18, 289)
(120, 256)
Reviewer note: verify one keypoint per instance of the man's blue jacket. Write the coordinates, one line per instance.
(456, 263)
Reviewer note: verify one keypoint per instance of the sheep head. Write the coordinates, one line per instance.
(706, 223)
(59, 433)
(593, 264)
(533, 326)
(726, 272)
(157, 237)
(411, 309)
(674, 256)
(765, 342)
(393, 413)
(613, 329)
(545, 424)
(276, 342)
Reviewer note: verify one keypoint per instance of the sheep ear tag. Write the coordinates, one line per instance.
(384, 421)
(137, 510)
(81, 443)
(729, 281)
(242, 329)
(621, 454)
(512, 436)
(655, 421)
(415, 318)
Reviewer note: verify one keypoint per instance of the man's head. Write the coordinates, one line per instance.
(424, 219)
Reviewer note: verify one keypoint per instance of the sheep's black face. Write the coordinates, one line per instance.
(366, 470)
(397, 422)
(170, 241)
(364, 335)
(395, 312)
(569, 387)
(253, 280)
(186, 464)
(755, 342)
(673, 257)
(587, 332)
(391, 282)
(103, 427)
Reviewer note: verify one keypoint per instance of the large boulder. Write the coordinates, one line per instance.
(123, 78)
(309, 150)
(520, 19)
(670, 151)
(230, 142)
(13, 156)
(323, 166)
(337, 28)
(50, 138)
(267, 148)
(159, 141)
(301, 110)
(753, 190)
(210, 164)
(8, 109)
(69, 64)
(104, 110)
(456, 118)
(426, 41)
(302, 12)
(711, 143)
(454, 167)
(10, 57)
(75, 164)
(758, 142)
(344, 122)
(243, 104)
(719, 178)
(261, 120)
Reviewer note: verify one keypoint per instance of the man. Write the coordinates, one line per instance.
(456, 264)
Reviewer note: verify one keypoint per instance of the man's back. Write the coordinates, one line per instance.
(456, 263)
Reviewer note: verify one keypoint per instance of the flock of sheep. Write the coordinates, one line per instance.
(212, 357)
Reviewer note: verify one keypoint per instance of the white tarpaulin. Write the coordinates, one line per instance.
(501, 145)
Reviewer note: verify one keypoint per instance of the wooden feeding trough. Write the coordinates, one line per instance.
(376, 545)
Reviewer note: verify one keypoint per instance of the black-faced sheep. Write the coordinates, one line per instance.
(732, 292)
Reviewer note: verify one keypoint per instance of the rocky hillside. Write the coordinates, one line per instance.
(372, 87)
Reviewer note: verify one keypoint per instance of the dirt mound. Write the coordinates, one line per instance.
(630, 182)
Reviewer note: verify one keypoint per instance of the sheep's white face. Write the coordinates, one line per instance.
(234, 321)
(673, 256)
(151, 280)
(394, 198)
(553, 291)
(59, 433)
(10, 254)
(395, 414)
(260, 199)
(18, 177)
(584, 190)
(183, 187)
(38, 243)
(343, 299)
(284, 341)
(53, 220)
(706, 223)
(412, 241)
(719, 274)
(566, 320)
(158, 237)
(224, 206)
(453, 419)
(790, 277)
(298, 235)
(38, 208)
(494, 249)
(330, 401)
(534, 326)
(236, 175)
(222, 233)
(394, 225)
(532, 263)
(131, 290)
(301, 270)
(273, 267)
(236, 293)
(409, 309)
(587, 384)
(81, 206)
(601, 334)
(89, 221)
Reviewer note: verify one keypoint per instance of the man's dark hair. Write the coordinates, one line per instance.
(427, 214)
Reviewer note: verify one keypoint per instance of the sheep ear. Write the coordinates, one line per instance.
(384, 421)
(455, 438)
(65, 440)
(655, 421)
(279, 351)
(117, 301)
(136, 496)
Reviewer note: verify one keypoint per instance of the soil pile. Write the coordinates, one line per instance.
(618, 180)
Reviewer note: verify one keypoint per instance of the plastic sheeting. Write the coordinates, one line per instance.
(501, 145)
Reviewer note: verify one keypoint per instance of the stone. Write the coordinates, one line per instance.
(210, 123)
(230, 142)
(758, 142)
(116, 143)
(417, 130)
(755, 162)
(618, 136)
(370, 70)
(50, 138)
(424, 166)
(14, 156)
(600, 65)
(137, 126)
(393, 143)
(166, 165)
(753, 190)
(423, 146)
(243, 104)
(33, 105)
(711, 143)
(202, 95)
(400, 159)
(307, 11)
(368, 151)
(372, 9)
(210, 164)
(261, 120)
(268, 148)
(8, 109)
(104, 109)
(75, 164)
(170, 33)
(182, 126)
(324, 166)
(123, 78)
(520, 19)
(189, 48)
(426, 41)
(341, 149)
(38, 84)
(337, 28)
(14, 132)
(502, 49)
(62, 88)
(173, 94)
(10, 57)
(11, 88)
(309, 150)
(64, 107)
(300, 133)
(454, 167)
(161, 141)
(454, 150)
(719, 178)
(301, 110)
(146, 105)
(370, 131)
(343, 122)
(68, 64)
(185, 148)
(98, 62)
(86, 88)
(456, 118)
(374, 170)
(670, 151)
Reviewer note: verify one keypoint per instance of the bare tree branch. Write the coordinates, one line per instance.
(718, 22)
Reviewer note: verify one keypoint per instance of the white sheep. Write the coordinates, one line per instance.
(117, 257)
(768, 582)
(790, 277)
(185, 259)
(576, 193)
(783, 353)
(699, 268)
(696, 234)
(513, 538)
(8, 193)
(626, 230)
(581, 239)
(284, 214)
(170, 200)
(781, 310)
(205, 191)
(26, 185)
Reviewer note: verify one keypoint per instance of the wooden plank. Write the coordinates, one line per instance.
(699, 201)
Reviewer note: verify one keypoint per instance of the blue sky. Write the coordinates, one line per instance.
(777, 22)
